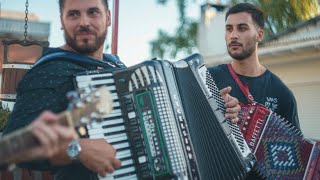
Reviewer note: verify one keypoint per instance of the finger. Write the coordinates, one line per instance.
(65, 133)
(110, 169)
(233, 102)
(102, 173)
(225, 91)
(116, 163)
(47, 137)
(48, 117)
(235, 120)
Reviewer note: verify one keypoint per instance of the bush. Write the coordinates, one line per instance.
(4, 115)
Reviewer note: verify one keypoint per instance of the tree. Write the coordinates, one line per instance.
(184, 39)
(280, 14)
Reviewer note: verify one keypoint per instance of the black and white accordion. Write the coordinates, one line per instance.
(168, 122)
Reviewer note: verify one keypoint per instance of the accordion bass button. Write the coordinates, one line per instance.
(244, 128)
(248, 117)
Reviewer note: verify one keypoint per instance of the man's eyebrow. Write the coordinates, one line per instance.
(72, 10)
(93, 8)
(242, 24)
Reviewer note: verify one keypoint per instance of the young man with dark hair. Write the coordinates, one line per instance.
(244, 29)
(243, 32)
(85, 24)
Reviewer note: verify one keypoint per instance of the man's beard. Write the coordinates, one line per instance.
(244, 54)
(85, 48)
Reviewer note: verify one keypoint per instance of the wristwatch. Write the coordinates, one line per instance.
(74, 149)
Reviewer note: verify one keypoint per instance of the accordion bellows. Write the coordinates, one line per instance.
(281, 150)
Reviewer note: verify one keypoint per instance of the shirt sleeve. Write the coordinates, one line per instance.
(290, 111)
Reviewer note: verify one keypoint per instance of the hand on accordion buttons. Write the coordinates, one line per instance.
(98, 156)
(231, 104)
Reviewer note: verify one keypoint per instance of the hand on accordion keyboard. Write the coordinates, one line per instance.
(231, 104)
(98, 156)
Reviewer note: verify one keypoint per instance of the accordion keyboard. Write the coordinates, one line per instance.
(112, 127)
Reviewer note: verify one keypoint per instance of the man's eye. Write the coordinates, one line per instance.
(94, 12)
(228, 29)
(72, 14)
(242, 28)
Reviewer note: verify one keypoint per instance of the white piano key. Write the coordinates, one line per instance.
(116, 138)
(126, 162)
(123, 171)
(121, 145)
(97, 136)
(123, 154)
(105, 130)
(112, 138)
(95, 125)
(130, 177)
(113, 95)
(94, 83)
(115, 104)
(90, 77)
(113, 114)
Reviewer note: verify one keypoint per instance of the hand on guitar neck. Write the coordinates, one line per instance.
(45, 133)
(49, 133)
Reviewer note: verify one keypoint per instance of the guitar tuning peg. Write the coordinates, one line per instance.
(88, 99)
(93, 115)
(72, 95)
(81, 90)
(80, 104)
(84, 120)
(97, 94)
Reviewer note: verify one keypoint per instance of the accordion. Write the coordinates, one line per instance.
(282, 152)
(168, 122)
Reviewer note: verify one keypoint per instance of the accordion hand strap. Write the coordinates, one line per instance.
(244, 88)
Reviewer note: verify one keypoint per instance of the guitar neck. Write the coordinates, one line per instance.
(98, 103)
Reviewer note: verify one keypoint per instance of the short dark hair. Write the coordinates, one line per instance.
(256, 14)
(61, 4)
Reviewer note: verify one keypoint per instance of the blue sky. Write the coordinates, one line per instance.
(138, 23)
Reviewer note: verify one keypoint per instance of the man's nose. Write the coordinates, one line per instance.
(84, 20)
(234, 34)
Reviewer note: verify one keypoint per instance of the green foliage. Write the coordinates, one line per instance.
(281, 14)
(4, 115)
(182, 41)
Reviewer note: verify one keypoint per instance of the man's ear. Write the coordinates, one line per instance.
(108, 18)
(260, 35)
(61, 23)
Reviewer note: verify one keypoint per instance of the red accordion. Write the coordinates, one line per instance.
(281, 150)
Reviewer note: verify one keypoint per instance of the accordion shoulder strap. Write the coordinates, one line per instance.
(244, 88)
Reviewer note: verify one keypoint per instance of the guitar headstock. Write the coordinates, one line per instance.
(90, 108)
